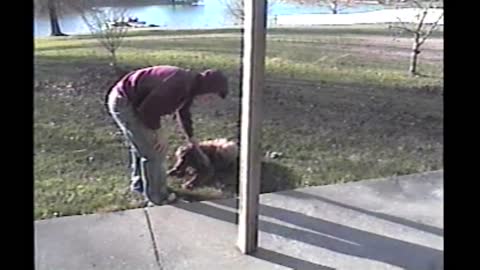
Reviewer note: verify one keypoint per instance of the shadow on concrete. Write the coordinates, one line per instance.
(287, 261)
(399, 220)
(261, 253)
(335, 237)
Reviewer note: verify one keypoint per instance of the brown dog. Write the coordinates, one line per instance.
(222, 153)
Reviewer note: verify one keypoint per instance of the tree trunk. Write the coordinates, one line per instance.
(414, 55)
(114, 59)
(54, 25)
(119, 71)
(334, 7)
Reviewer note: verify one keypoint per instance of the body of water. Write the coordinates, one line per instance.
(209, 14)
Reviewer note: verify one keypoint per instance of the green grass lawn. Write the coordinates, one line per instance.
(339, 105)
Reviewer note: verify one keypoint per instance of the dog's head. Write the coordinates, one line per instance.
(221, 153)
(185, 156)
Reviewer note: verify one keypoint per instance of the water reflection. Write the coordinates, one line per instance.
(210, 14)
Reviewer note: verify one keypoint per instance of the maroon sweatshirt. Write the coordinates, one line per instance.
(162, 90)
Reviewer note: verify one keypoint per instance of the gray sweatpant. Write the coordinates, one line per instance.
(147, 164)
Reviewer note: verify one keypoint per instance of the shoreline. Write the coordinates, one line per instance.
(406, 15)
(212, 30)
(378, 17)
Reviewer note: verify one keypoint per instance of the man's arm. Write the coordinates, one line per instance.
(184, 119)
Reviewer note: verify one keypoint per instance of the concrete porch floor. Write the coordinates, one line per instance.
(392, 223)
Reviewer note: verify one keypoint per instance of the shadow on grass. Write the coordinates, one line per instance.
(275, 177)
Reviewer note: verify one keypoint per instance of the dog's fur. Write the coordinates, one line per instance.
(222, 153)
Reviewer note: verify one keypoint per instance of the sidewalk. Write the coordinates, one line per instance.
(394, 223)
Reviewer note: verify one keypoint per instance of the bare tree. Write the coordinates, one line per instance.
(420, 30)
(334, 5)
(53, 9)
(235, 8)
(109, 26)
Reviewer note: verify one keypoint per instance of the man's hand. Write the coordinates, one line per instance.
(160, 146)
(203, 156)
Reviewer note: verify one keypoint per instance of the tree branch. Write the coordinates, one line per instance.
(422, 19)
(418, 4)
(403, 26)
(432, 28)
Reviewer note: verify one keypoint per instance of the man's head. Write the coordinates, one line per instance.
(214, 81)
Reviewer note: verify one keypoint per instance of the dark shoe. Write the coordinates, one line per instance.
(171, 198)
